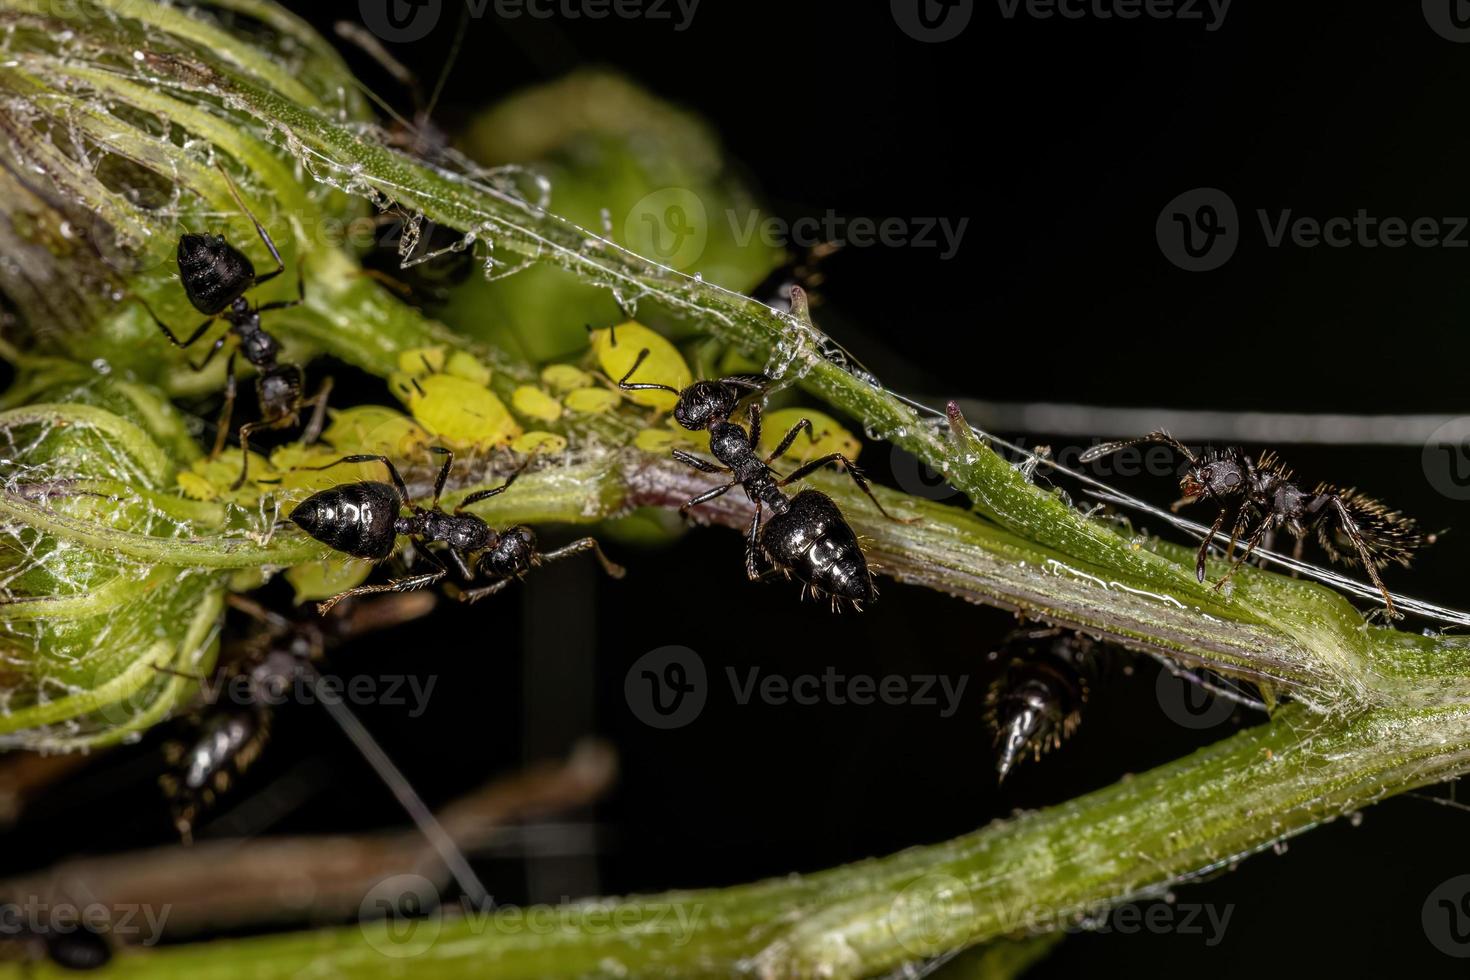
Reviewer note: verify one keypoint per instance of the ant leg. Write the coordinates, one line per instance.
(475, 595)
(227, 411)
(259, 228)
(753, 414)
(198, 331)
(707, 496)
(612, 568)
(641, 386)
(318, 420)
(372, 458)
(1370, 563)
(789, 438)
(213, 350)
(752, 547)
(286, 304)
(690, 460)
(852, 471)
(1250, 547)
(258, 612)
(460, 565)
(248, 429)
(443, 476)
(1204, 546)
(480, 495)
(410, 584)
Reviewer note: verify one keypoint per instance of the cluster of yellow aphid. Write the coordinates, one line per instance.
(450, 403)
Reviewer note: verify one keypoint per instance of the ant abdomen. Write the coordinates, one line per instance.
(814, 542)
(214, 272)
(1036, 702)
(357, 519)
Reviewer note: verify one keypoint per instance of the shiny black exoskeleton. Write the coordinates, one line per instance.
(806, 536)
(216, 746)
(216, 276)
(364, 520)
(1260, 497)
(1036, 701)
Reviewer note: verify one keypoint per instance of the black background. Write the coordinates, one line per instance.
(1061, 140)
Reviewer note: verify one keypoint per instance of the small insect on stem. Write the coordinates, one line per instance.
(216, 276)
(1036, 702)
(806, 535)
(363, 520)
(1258, 497)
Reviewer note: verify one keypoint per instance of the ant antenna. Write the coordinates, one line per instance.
(427, 111)
(1160, 436)
(642, 386)
(449, 852)
(259, 229)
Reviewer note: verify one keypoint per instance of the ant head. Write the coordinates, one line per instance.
(704, 403)
(214, 272)
(1216, 475)
(511, 556)
(279, 390)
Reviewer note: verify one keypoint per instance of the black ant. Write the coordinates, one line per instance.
(806, 535)
(216, 276)
(1262, 498)
(216, 747)
(363, 520)
(1036, 702)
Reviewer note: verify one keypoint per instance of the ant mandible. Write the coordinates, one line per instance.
(806, 535)
(1263, 491)
(216, 276)
(363, 520)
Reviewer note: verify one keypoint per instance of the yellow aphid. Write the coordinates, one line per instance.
(618, 347)
(591, 401)
(464, 365)
(375, 429)
(210, 479)
(419, 361)
(827, 435)
(456, 411)
(562, 378)
(662, 440)
(536, 404)
(545, 443)
(314, 580)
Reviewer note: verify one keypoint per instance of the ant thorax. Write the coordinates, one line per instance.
(464, 533)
